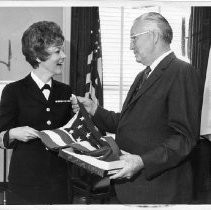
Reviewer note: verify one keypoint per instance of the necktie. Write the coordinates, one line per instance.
(46, 90)
(145, 76)
(46, 87)
(142, 79)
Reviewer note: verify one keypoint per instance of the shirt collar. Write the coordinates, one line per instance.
(39, 82)
(159, 59)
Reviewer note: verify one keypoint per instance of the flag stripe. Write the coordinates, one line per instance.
(55, 138)
(47, 140)
(90, 57)
(94, 83)
(67, 138)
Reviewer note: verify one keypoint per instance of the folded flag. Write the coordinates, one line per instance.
(81, 134)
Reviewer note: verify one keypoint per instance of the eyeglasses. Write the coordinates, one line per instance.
(132, 38)
(135, 35)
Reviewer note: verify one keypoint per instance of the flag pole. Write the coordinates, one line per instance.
(4, 177)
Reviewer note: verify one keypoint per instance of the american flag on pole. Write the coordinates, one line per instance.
(94, 81)
(81, 134)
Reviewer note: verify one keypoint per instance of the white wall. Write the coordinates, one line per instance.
(13, 22)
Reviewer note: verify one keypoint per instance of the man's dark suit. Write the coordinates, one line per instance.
(161, 124)
(23, 104)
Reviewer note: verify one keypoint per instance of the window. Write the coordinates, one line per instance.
(119, 65)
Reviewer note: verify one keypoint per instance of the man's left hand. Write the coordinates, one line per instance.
(133, 164)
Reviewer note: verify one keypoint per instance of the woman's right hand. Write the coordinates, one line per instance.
(23, 134)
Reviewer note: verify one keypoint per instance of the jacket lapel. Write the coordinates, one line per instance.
(131, 90)
(33, 90)
(53, 93)
(155, 75)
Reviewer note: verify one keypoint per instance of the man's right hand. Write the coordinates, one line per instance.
(89, 104)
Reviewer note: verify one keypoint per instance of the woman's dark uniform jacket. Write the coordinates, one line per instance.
(23, 104)
(161, 124)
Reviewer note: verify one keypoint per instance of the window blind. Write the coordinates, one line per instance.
(119, 64)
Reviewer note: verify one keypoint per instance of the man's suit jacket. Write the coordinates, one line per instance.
(23, 104)
(161, 124)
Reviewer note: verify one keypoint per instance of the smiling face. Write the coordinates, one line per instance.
(54, 64)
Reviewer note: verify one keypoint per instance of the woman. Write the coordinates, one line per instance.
(37, 175)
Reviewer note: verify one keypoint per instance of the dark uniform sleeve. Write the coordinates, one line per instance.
(8, 114)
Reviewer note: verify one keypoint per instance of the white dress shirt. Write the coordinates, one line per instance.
(40, 84)
(158, 60)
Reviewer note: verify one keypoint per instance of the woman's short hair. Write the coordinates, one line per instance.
(38, 38)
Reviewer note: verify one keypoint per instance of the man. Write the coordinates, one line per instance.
(159, 122)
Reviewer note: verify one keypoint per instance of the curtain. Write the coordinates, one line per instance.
(200, 38)
(85, 70)
(85, 55)
(199, 46)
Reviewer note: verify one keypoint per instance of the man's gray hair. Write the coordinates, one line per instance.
(162, 24)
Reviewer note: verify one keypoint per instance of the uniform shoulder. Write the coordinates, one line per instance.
(15, 84)
(12, 89)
